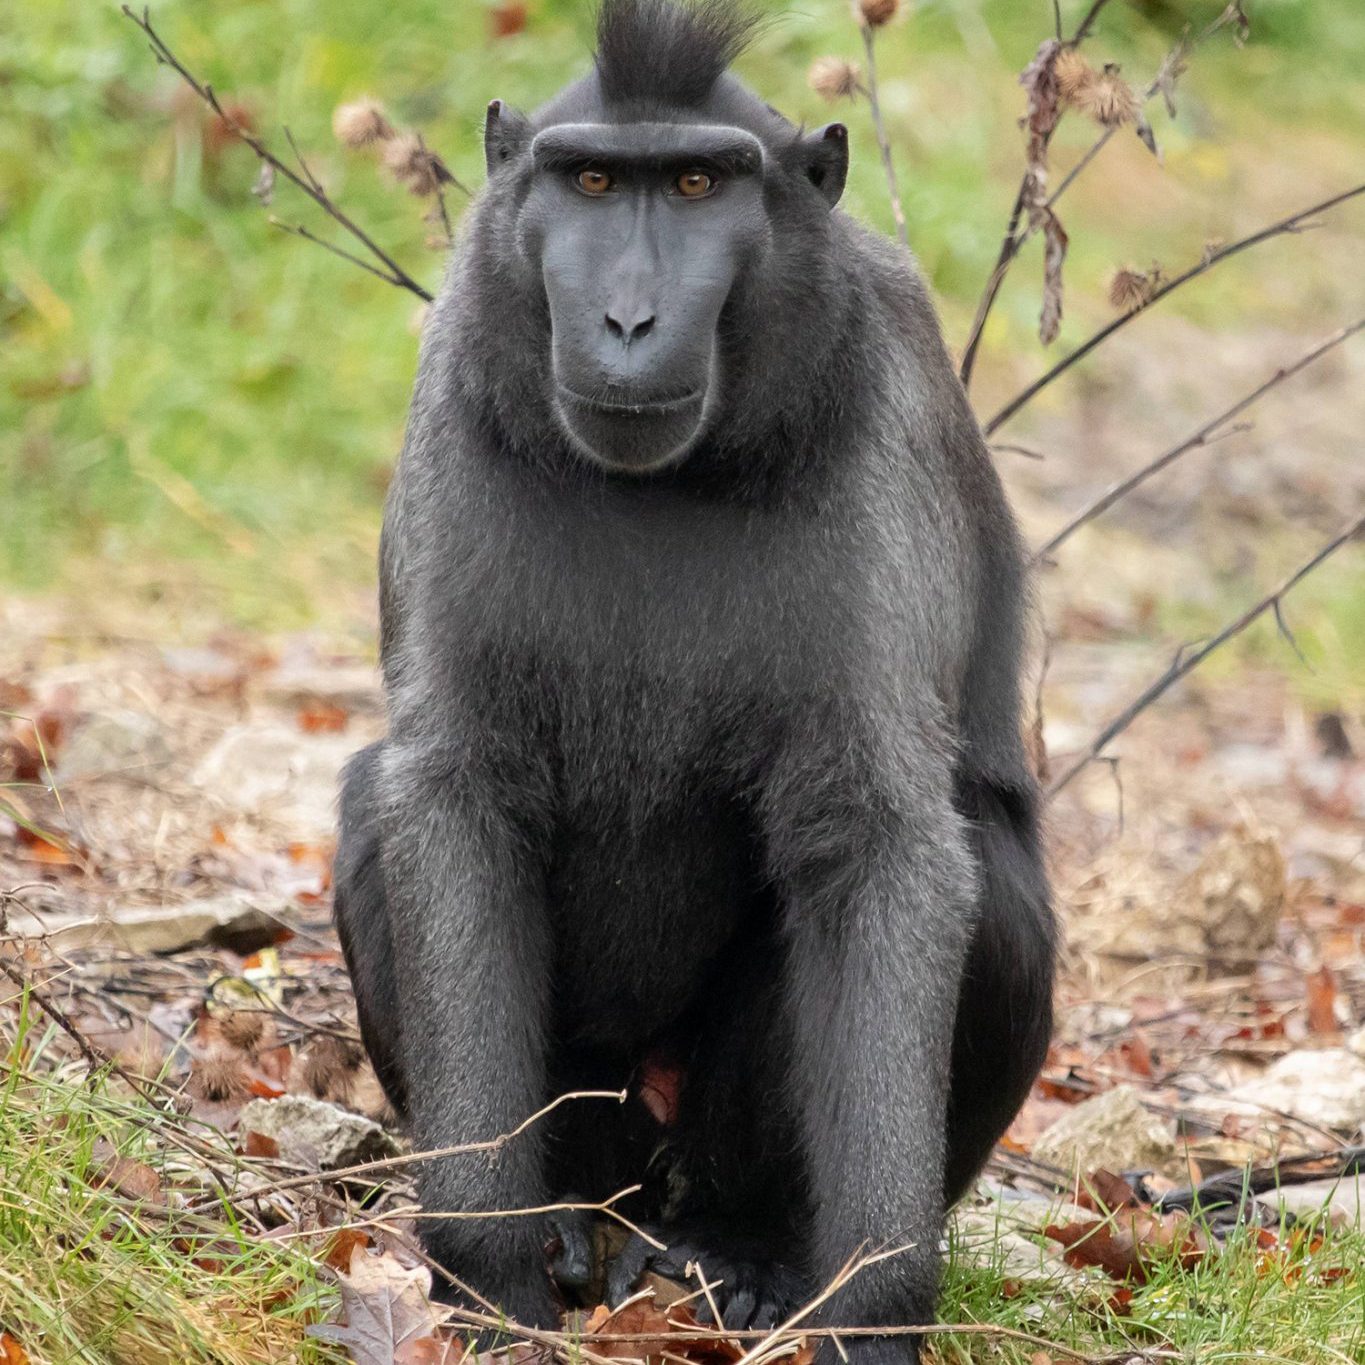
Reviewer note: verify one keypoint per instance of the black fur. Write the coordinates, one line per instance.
(664, 54)
(718, 769)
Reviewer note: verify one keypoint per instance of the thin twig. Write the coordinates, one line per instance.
(418, 1214)
(393, 273)
(390, 1163)
(96, 1058)
(883, 143)
(1203, 436)
(1293, 223)
(441, 172)
(1186, 663)
(1015, 235)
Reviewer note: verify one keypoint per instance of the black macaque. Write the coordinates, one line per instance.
(702, 614)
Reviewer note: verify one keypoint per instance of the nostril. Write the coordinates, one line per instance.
(630, 333)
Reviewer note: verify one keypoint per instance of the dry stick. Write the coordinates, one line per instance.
(393, 273)
(884, 145)
(530, 1211)
(1293, 223)
(1186, 663)
(96, 1058)
(1015, 236)
(1199, 438)
(490, 1145)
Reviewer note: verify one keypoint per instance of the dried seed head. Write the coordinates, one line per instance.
(414, 165)
(1073, 74)
(328, 1065)
(1109, 99)
(875, 13)
(834, 78)
(361, 123)
(243, 1029)
(1130, 288)
(218, 1076)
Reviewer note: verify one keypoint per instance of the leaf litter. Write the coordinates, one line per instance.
(1265, 967)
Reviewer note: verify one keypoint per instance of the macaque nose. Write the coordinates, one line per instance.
(631, 326)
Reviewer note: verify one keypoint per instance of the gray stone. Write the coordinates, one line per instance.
(111, 744)
(273, 771)
(1343, 1201)
(238, 921)
(1002, 1229)
(316, 1135)
(1325, 1088)
(1112, 1131)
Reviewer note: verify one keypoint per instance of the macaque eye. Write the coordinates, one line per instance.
(592, 181)
(694, 184)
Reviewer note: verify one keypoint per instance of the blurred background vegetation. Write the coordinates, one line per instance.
(194, 402)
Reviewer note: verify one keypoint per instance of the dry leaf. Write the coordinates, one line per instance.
(388, 1312)
(1322, 998)
(1125, 1245)
(11, 1353)
(122, 1174)
(342, 1247)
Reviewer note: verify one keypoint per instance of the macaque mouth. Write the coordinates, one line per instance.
(640, 407)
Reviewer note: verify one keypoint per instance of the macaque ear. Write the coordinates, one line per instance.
(822, 157)
(504, 134)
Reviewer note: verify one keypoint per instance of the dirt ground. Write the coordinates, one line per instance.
(168, 810)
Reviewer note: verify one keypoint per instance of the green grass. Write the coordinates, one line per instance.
(1237, 1306)
(88, 1275)
(196, 398)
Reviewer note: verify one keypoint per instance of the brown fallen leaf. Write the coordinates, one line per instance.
(1104, 1192)
(1321, 989)
(262, 1145)
(122, 1174)
(663, 1330)
(342, 1246)
(1128, 1243)
(319, 717)
(11, 1353)
(390, 1319)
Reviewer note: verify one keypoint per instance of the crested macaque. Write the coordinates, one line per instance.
(702, 614)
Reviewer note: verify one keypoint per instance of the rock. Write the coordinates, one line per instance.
(316, 1135)
(1002, 1229)
(269, 770)
(1112, 1131)
(113, 743)
(234, 921)
(1343, 1201)
(1226, 909)
(1325, 1088)
(1236, 894)
(353, 687)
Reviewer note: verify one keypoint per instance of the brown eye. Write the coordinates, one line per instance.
(594, 182)
(695, 184)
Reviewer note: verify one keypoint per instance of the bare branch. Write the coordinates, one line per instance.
(489, 1145)
(1187, 662)
(1206, 433)
(883, 143)
(298, 230)
(392, 272)
(1016, 235)
(1083, 28)
(1295, 222)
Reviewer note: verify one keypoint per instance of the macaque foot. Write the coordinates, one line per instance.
(750, 1288)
